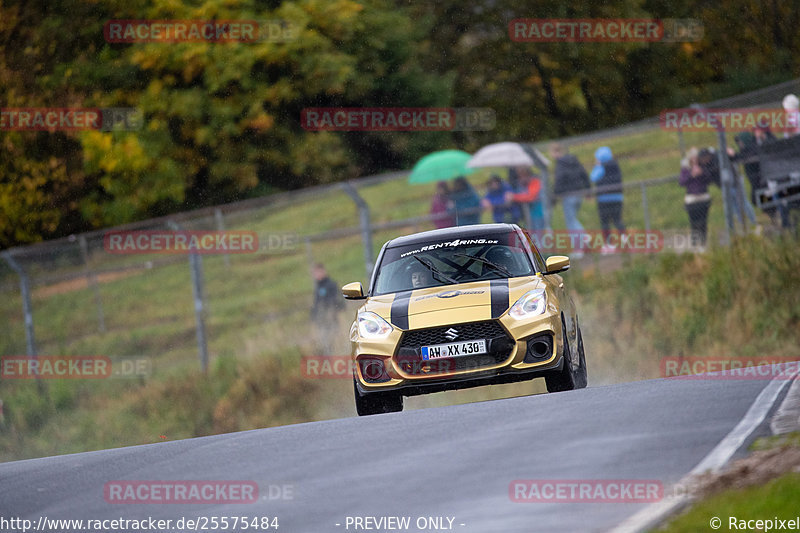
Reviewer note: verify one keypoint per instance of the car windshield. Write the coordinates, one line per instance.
(440, 262)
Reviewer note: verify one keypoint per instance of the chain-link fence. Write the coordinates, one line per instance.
(88, 294)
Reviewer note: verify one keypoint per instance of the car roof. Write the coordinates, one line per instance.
(456, 232)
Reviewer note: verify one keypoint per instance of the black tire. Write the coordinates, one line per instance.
(561, 380)
(377, 402)
(581, 375)
(569, 377)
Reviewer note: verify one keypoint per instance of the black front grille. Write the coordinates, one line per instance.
(466, 332)
(409, 358)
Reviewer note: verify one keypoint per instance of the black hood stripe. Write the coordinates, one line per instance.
(399, 313)
(499, 290)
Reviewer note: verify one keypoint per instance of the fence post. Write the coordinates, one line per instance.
(221, 227)
(546, 199)
(27, 311)
(725, 178)
(366, 228)
(728, 186)
(526, 214)
(196, 268)
(91, 280)
(645, 210)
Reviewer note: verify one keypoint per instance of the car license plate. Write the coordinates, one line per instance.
(454, 349)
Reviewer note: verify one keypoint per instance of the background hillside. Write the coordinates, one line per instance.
(221, 120)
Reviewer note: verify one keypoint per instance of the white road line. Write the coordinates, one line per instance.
(651, 515)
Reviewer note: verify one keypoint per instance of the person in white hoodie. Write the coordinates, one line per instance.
(791, 105)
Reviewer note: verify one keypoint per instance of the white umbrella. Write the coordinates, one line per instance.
(510, 154)
(505, 154)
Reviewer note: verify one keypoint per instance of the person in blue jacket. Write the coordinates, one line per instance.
(607, 174)
(495, 199)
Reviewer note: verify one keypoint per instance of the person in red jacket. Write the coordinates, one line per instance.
(530, 192)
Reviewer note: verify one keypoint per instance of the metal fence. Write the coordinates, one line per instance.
(71, 296)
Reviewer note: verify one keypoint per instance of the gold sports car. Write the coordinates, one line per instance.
(462, 307)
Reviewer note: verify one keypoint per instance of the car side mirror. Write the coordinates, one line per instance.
(556, 263)
(353, 291)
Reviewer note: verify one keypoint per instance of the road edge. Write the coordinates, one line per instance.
(717, 458)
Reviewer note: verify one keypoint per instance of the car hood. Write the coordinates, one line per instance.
(464, 302)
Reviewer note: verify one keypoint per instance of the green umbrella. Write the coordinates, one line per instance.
(443, 165)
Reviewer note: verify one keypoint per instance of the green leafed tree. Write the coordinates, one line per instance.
(221, 119)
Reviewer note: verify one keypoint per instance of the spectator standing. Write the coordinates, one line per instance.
(443, 218)
(792, 107)
(607, 174)
(465, 203)
(749, 156)
(709, 160)
(570, 177)
(495, 199)
(528, 191)
(762, 136)
(328, 301)
(697, 201)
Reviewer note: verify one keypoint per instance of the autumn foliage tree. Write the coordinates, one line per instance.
(222, 119)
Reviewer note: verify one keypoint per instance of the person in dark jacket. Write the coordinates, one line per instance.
(328, 301)
(570, 177)
(465, 203)
(607, 174)
(695, 179)
(749, 156)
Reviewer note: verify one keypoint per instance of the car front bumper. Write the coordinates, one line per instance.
(532, 348)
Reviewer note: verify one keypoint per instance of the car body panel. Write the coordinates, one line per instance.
(462, 305)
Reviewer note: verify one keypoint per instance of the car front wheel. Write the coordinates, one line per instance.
(581, 376)
(377, 402)
(569, 377)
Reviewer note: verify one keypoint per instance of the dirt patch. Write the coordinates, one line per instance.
(758, 468)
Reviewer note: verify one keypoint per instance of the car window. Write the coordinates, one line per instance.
(440, 263)
(537, 255)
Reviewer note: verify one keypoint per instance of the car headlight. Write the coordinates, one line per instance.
(371, 326)
(532, 303)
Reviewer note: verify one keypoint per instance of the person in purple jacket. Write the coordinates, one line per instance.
(697, 201)
(439, 206)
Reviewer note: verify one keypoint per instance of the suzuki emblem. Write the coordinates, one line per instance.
(451, 334)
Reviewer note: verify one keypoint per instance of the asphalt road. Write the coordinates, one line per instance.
(454, 462)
